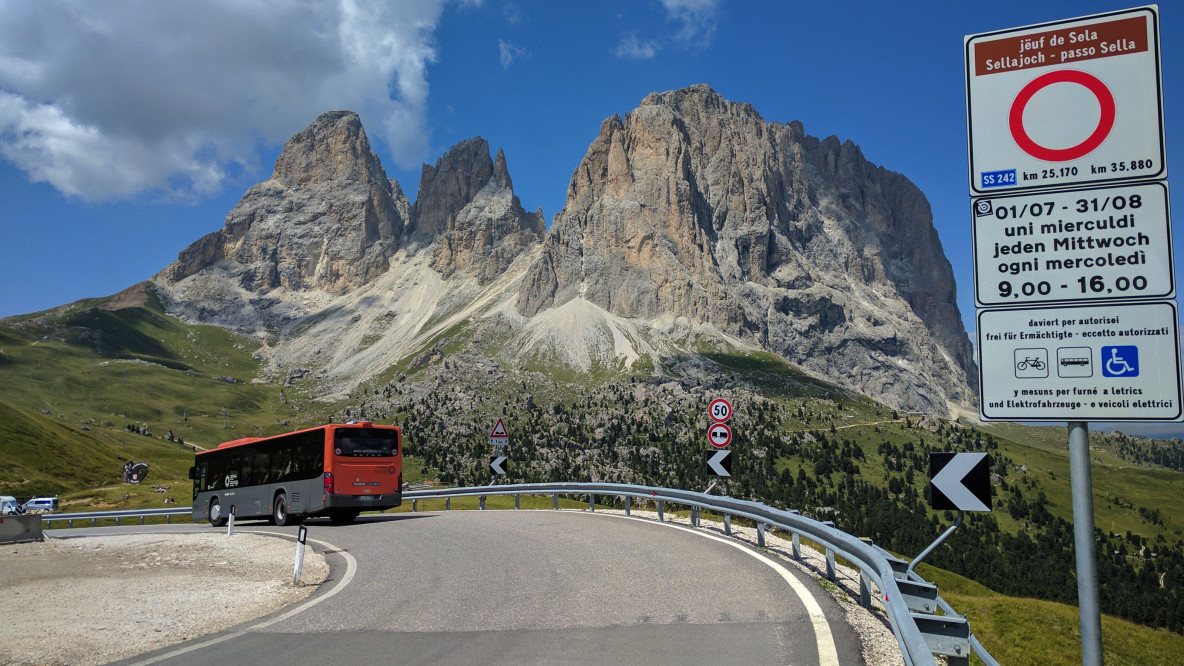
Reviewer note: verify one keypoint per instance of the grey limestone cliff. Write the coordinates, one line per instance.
(695, 206)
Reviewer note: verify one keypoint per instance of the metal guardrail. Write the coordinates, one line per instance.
(119, 516)
(910, 601)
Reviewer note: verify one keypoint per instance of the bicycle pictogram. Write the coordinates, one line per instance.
(1031, 363)
(1034, 363)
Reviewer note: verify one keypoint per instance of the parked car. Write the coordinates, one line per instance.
(41, 505)
(8, 504)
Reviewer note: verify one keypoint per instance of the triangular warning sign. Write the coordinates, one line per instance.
(499, 430)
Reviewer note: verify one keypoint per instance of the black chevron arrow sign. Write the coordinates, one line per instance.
(960, 481)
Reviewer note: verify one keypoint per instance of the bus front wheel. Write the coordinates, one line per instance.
(279, 511)
(216, 517)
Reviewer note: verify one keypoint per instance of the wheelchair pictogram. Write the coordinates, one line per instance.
(1120, 361)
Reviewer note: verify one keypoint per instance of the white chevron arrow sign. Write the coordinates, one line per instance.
(720, 463)
(960, 481)
(497, 464)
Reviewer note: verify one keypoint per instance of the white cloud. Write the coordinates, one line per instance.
(633, 48)
(508, 52)
(107, 100)
(696, 19)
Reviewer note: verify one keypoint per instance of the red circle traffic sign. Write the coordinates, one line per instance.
(1105, 123)
(719, 435)
(719, 410)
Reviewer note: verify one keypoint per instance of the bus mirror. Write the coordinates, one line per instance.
(192, 472)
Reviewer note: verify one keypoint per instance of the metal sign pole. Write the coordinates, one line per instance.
(1084, 544)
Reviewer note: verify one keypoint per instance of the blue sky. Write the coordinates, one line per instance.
(128, 130)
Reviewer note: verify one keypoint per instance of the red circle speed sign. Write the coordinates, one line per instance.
(1105, 123)
(719, 410)
(719, 435)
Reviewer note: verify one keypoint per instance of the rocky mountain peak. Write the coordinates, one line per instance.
(333, 148)
(467, 207)
(450, 185)
(696, 207)
(328, 219)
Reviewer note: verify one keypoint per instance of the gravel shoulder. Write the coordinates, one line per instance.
(91, 600)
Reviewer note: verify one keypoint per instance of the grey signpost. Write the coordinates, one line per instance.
(1074, 275)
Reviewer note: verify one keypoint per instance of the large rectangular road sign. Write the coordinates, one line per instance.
(1118, 362)
(1087, 245)
(1064, 103)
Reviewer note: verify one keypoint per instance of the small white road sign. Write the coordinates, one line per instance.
(1118, 362)
(499, 436)
(1092, 245)
(960, 481)
(719, 410)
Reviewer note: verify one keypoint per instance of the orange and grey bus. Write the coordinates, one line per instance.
(336, 471)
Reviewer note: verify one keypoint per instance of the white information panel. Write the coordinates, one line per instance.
(1118, 362)
(1099, 244)
(1064, 103)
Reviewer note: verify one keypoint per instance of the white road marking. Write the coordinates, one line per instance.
(828, 654)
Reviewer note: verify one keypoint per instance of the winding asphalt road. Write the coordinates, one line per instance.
(529, 587)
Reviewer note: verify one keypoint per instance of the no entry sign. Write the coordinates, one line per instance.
(1064, 103)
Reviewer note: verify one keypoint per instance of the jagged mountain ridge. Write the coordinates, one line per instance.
(690, 223)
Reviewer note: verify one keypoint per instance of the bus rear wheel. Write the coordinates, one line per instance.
(216, 517)
(343, 516)
(279, 511)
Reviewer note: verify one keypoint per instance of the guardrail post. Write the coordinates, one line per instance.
(555, 502)
(627, 505)
(168, 520)
(591, 502)
(141, 520)
(448, 504)
(517, 501)
(414, 505)
(830, 565)
(94, 522)
(482, 502)
(865, 591)
(728, 524)
(797, 547)
(661, 517)
(760, 535)
(694, 516)
(117, 521)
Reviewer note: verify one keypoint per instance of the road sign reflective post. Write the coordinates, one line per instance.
(797, 547)
(760, 535)
(937, 542)
(830, 565)
(1084, 544)
(728, 524)
(627, 505)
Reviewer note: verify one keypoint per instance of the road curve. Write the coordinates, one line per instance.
(522, 587)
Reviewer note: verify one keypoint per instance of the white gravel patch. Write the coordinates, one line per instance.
(91, 600)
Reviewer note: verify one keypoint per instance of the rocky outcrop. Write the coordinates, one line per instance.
(467, 206)
(693, 206)
(327, 219)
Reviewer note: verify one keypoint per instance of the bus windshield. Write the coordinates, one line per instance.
(365, 443)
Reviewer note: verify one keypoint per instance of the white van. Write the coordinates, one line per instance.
(41, 505)
(8, 504)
